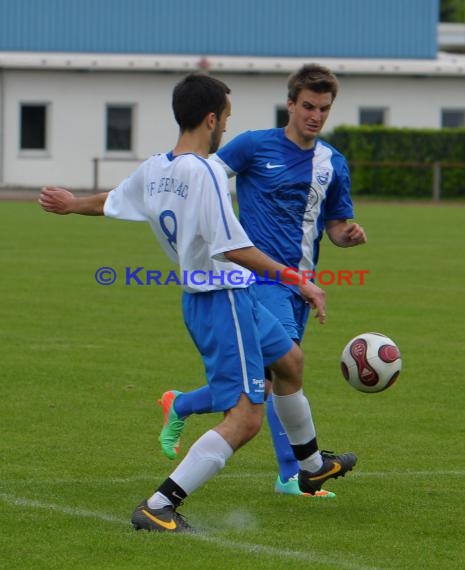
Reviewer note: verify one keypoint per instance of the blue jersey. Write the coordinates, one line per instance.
(286, 194)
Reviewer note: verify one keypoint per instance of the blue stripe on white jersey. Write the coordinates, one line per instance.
(171, 157)
(218, 193)
(287, 194)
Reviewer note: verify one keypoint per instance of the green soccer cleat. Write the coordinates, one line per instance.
(334, 466)
(173, 425)
(158, 520)
(291, 487)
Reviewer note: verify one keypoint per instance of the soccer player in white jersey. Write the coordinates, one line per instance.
(291, 186)
(185, 199)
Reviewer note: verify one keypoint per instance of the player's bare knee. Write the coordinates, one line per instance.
(249, 423)
(289, 368)
(254, 423)
(242, 422)
(297, 357)
(246, 429)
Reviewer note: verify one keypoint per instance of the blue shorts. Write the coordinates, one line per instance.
(289, 307)
(236, 337)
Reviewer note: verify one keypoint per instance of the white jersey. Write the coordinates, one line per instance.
(187, 203)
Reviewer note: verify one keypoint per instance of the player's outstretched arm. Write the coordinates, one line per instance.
(258, 262)
(60, 201)
(345, 234)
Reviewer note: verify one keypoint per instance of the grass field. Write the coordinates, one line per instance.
(82, 365)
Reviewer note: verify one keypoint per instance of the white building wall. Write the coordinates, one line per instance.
(76, 124)
(414, 102)
(77, 106)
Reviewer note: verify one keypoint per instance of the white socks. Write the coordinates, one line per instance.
(204, 459)
(295, 415)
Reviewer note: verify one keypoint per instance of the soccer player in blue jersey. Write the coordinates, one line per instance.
(291, 187)
(185, 199)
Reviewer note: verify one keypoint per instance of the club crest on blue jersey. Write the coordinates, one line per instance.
(322, 176)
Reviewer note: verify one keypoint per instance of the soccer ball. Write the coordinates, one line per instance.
(371, 362)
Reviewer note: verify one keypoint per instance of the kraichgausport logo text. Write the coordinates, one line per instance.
(290, 276)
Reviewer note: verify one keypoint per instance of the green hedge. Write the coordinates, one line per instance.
(413, 147)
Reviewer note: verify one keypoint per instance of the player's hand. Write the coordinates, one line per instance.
(316, 298)
(354, 234)
(56, 200)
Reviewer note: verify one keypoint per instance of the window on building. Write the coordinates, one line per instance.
(282, 117)
(372, 116)
(33, 125)
(453, 118)
(119, 128)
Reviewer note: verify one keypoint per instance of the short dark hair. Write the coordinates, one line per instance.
(195, 96)
(313, 77)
